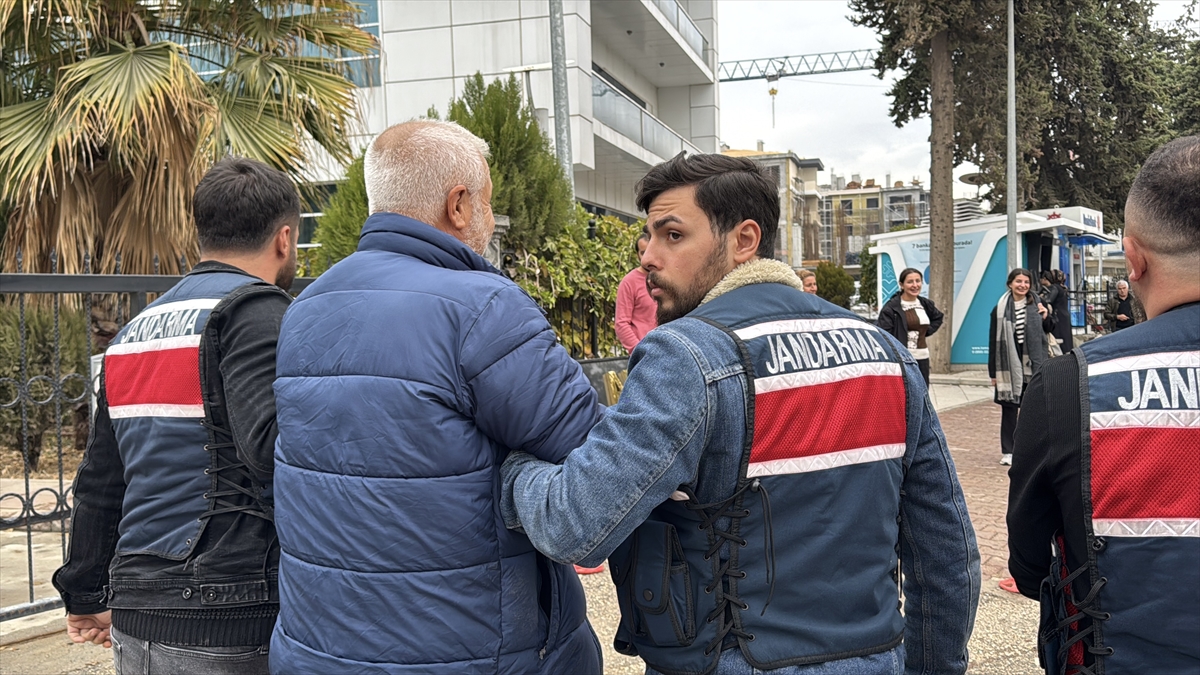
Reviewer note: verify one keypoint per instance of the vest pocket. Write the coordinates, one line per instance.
(1050, 638)
(655, 587)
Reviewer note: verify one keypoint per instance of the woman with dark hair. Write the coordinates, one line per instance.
(1054, 297)
(911, 318)
(1016, 350)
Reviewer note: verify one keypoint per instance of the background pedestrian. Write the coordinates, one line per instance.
(1016, 350)
(635, 307)
(1055, 298)
(911, 318)
(1124, 309)
(809, 280)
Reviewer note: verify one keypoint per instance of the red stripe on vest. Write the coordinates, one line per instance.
(818, 419)
(1145, 473)
(168, 376)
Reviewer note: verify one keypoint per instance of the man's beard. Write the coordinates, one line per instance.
(685, 300)
(478, 236)
(287, 274)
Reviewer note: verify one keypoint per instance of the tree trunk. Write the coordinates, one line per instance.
(941, 199)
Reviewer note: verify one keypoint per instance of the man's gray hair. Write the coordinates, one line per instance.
(411, 167)
(1122, 282)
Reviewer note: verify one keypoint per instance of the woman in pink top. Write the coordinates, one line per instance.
(636, 310)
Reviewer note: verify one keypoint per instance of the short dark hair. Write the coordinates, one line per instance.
(728, 190)
(1166, 194)
(910, 270)
(240, 203)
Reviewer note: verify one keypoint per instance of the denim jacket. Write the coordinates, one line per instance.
(678, 431)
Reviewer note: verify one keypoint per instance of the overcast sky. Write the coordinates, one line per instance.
(842, 118)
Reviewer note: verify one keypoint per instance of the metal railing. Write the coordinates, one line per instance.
(678, 17)
(616, 110)
(51, 326)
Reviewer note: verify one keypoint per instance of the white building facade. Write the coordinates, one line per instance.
(641, 76)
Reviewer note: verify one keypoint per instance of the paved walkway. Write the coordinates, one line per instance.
(1003, 640)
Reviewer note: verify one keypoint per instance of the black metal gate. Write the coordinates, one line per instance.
(52, 329)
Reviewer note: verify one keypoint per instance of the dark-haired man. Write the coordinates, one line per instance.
(173, 558)
(772, 465)
(1104, 503)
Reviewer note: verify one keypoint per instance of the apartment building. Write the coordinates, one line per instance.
(799, 201)
(642, 80)
(851, 211)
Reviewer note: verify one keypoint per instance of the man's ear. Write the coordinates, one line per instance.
(1135, 257)
(746, 237)
(284, 239)
(457, 208)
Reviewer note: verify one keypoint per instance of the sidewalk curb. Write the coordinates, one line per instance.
(34, 632)
(961, 405)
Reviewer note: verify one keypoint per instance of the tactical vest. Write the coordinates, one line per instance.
(1140, 474)
(169, 444)
(824, 440)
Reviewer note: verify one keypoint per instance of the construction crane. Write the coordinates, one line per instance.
(786, 66)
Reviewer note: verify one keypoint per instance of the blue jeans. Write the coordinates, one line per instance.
(890, 662)
(132, 656)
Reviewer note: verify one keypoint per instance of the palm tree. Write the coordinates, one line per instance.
(111, 110)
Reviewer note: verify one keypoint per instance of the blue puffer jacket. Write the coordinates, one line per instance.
(407, 373)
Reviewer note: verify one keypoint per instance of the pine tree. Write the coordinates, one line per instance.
(528, 184)
(1091, 102)
(342, 222)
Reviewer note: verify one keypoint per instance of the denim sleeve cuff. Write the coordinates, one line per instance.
(508, 475)
(85, 603)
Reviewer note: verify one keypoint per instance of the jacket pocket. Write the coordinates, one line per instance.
(549, 601)
(654, 588)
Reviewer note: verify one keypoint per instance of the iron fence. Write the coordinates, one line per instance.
(53, 327)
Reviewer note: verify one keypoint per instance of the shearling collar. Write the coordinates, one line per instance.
(757, 271)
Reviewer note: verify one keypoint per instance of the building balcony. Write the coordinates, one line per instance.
(658, 38)
(616, 112)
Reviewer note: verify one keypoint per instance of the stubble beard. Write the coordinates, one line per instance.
(686, 300)
(478, 236)
(287, 275)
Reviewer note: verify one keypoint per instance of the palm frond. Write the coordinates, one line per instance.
(108, 127)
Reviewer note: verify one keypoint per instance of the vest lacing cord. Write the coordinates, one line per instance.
(1083, 608)
(231, 488)
(709, 514)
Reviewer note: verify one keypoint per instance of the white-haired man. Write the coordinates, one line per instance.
(407, 373)
(1124, 310)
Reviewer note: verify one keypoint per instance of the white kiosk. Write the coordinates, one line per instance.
(980, 263)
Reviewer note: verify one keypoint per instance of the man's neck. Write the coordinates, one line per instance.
(251, 265)
(1156, 301)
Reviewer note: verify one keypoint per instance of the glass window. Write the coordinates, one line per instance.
(848, 206)
(872, 202)
(774, 171)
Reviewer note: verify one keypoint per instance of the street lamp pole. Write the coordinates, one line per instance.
(562, 113)
(1014, 260)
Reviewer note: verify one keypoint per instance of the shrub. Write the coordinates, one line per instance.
(40, 409)
(576, 277)
(342, 222)
(834, 284)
